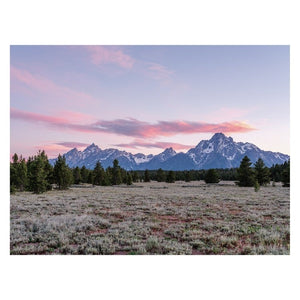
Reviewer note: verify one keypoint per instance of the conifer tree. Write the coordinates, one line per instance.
(211, 176)
(38, 173)
(22, 174)
(285, 176)
(129, 179)
(187, 176)
(160, 175)
(135, 176)
(116, 173)
(14, 173)
(90, 177)
(84, 174)
(62, 173)
(99, 176)
(262, 173)
(146, 176)
(245, 173)
(170, 177)
(77, 175)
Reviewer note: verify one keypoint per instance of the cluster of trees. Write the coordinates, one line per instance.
(260, 174)
(37, 175)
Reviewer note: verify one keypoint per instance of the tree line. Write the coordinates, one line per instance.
(38, 175)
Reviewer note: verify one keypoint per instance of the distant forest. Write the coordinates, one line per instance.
(37, 175)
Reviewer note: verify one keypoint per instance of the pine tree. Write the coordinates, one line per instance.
(37, 173)
(62, 173)
(22, 174)
(187, 176)
(211, 176)
(116, 173)
(160, 175)
(245, 173)
(285, 176)
(129, 179)
(84, 174)
(262, 173)
(135, 176)
(99, 175)
(77, 175)
(146, 176)
(14, 173)
(170, 177)
(90, 177)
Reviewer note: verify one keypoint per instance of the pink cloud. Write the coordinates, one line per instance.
(52, 150)
(162, 145)
(109, 55)
(46, 86)
(134, 128)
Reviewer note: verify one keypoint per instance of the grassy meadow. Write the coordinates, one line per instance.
(152, 218)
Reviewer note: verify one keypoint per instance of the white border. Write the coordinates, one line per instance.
(148, 22)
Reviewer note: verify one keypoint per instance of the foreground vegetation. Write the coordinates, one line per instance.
(152, 218)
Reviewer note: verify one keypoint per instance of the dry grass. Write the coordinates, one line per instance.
(152, 218)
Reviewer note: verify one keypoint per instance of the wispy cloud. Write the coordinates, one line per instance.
(158, 71)
(110, 55)
(102, 55)
(161, 145)
(53, 149)
(46, 86)
(133, 127)
(72, 144)
(136, 128)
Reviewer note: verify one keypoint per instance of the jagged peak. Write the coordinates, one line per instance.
(169, 150)
(91, 147)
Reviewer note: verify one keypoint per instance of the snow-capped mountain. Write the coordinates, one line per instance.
(218, 152)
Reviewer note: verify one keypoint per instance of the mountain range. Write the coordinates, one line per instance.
(218, 152)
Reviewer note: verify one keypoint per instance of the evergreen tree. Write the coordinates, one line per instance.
(123, 175)
(245, 173)
(116, 173)
(129, 179)
(62, 173)
(22, 174)
(187, 176)
(170, 177)
(84, 174)
(90, 177)
(160, 175)
(262, 173)
(99, 176)
(285, 177)
(77, 175)
(14, 173)
(135, 176)
(211, 176)
(146, 176)
(109, 175)
(37, 173)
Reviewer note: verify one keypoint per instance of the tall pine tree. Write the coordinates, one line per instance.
(262, 173)
(146, 176)
(62, 173)
(245, 173)
(116, 173)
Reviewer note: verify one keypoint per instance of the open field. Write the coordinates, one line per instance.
(152, 218)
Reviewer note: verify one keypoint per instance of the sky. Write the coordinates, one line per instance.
(147, 98)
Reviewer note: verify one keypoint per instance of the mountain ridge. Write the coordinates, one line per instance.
(218, 152)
